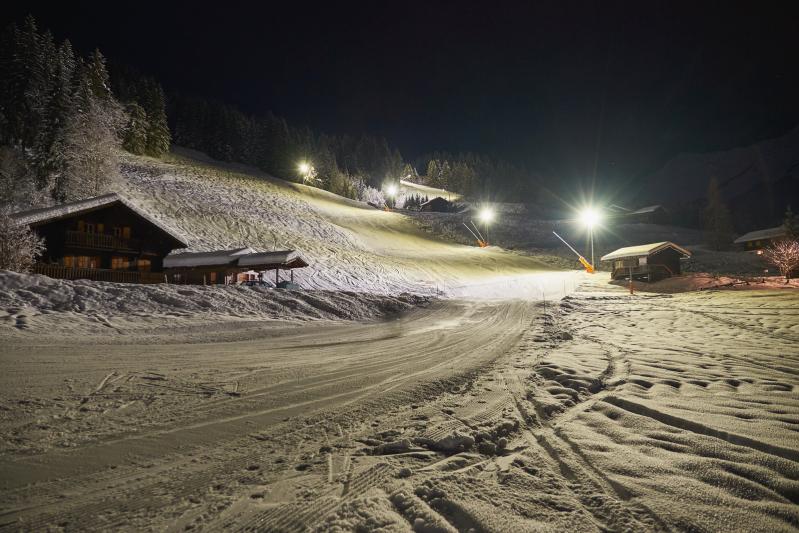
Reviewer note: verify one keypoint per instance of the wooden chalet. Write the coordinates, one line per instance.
(226, 267)
(437, 204)
(757, 241)
(651, 262)
(105, 238)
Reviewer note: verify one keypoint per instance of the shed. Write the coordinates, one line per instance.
(756, 241)
(104, 238)
(230, 266)
(437, 204)
(647, 261)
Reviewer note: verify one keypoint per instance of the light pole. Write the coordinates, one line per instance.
(392, 191)
(307, 171)
(486, 216)
(590, 217)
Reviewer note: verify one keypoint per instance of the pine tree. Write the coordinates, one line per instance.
(50, 158)
(134, 135)
(91, 144)
(791, 224)
(97, 76)
(718, 222)
(154, 103)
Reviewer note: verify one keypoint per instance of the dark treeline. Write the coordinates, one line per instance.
(343, 164)
(477, 176)
(61, 125)
(64, 119)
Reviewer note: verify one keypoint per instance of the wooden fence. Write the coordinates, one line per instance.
(98, 274)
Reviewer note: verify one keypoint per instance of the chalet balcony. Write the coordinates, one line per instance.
(98, 274)
(100, 241)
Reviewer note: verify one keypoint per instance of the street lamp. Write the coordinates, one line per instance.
(391, 192)
(307, 171)
(590, 218)
(486, 216)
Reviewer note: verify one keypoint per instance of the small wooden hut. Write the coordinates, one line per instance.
(437, 205)
(650, 262)
(757, 241)
(226, 267)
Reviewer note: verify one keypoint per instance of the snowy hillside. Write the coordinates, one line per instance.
(348, 244)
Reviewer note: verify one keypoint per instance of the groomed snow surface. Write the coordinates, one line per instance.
(601, 412)
(500, 406)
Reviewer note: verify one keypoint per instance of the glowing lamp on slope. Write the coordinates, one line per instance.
(590, 217)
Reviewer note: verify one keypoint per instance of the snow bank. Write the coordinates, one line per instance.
(31, 301)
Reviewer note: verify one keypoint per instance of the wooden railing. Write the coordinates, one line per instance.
(98, 274)
(100, 241)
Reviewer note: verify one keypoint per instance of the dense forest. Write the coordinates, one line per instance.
(64, 119)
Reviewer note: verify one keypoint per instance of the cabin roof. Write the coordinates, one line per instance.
(215, 258)
(761, 234)
(647, 209)
(644, 250)
(286, 258)
(436, 200)
(37, 217)
(237, 257)
(619, 209)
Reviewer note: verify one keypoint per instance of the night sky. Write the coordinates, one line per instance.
(558, 87)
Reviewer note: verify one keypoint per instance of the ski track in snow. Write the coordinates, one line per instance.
(509, 409)
(599, 412)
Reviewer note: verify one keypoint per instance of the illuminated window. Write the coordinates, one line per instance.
(126, 232)
(86, 261)
(120, 263)
(212, 277)
(100, 228)
(81, 225)
(69, 261)
(143, 265)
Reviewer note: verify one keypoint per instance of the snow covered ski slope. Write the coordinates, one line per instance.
(348, 244)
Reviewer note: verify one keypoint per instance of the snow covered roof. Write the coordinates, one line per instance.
(436, 200)
(644, 250)
(241, 257)
(35, 217)
(647, 209)
(615, 208)
(215, 258)
(761, 234)
(288, 258)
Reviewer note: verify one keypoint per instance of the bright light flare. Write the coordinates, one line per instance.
(304, 167)
(590, 217)
(392, 190)
(486, 215)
